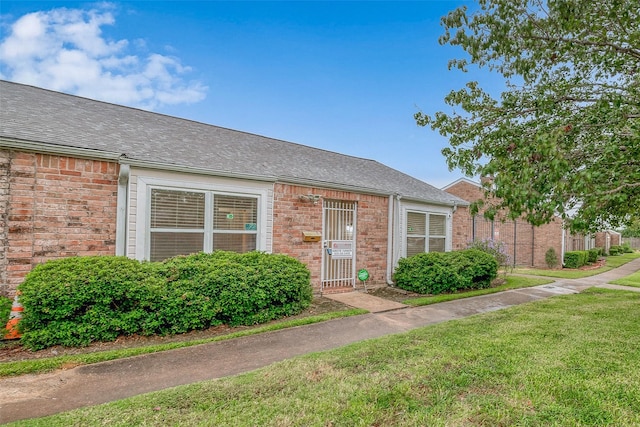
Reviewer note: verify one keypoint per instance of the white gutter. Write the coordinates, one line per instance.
(390, 237)
(122, 208)
(50, 148)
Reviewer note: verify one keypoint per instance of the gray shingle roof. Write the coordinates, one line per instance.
(37, 115)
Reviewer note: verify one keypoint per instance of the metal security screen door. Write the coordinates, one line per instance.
(339, 245)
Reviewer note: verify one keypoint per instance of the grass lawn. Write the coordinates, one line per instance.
(612, 262)
(570, 360)
(632, 280)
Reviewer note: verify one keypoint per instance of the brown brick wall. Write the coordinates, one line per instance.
(461, 220)
(527, 244)
(56, 206)
(606, 239)
(4, 213)
(292, 216)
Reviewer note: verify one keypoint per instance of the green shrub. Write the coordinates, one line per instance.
(75, 301)
(495, 248)
(576, 259)
(247, 288)
(79, 300)
(551, 258)
(626, 248)
(438, 272)
(5, 311)
(594, 253)
(615, 250)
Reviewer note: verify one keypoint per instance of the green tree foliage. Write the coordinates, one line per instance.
(632, 230)
(564, 136)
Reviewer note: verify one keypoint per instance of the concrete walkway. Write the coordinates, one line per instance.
(31, 396)
(365, 301)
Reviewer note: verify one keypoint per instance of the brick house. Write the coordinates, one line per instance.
(83, 177)
(526, 244)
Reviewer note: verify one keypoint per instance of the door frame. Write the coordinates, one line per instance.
(338, 268)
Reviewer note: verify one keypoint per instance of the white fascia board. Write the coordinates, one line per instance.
(63, 150)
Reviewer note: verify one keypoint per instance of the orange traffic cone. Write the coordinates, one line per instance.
(14, 319)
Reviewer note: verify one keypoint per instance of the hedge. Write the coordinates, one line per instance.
(438, 272)
(78, 300)
(616, 250)
(576, 259)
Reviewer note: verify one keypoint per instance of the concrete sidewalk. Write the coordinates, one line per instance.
(31, 396)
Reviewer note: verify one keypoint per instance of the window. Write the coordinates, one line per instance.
(235, 223)
(184, 222)
(425, 233)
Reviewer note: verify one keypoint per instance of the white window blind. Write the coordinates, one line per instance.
(235, 223)
(181, 223)
(425, 233)
(177, 209)
(177, 223)
(437, 233)
(416, 233)
(416, 223)
(437, 225)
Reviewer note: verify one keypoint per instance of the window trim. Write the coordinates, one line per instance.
(427, 211)
(143, 211)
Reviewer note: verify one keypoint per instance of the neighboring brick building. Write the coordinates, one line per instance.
(606, 239)
(82, 177)
(526, 244)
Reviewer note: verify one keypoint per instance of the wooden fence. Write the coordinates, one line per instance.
(634, 242)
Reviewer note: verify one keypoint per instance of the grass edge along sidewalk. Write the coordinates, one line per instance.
(611, 263)
(570, 360)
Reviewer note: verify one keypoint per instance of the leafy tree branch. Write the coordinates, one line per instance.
(563, 139)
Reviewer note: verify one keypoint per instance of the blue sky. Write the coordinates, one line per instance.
(341, 76)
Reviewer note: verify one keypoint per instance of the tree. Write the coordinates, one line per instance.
(564, 136)
(632, 230)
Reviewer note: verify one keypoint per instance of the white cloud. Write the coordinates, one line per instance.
(65, 50)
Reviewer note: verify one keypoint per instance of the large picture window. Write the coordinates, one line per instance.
(184, 222)
(425, 233)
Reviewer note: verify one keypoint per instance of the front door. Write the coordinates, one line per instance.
(339, 244)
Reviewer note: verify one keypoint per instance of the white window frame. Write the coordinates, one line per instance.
(145, 185)
(426, 210)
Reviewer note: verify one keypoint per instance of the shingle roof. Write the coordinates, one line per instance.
(37, 115)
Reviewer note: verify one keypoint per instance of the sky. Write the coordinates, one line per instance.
(341, 76)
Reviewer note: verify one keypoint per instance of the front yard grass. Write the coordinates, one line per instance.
(632, 280)
(611, 263)
(571, 360)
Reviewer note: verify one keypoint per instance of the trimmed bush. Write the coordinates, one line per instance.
(594, 253)
(576, 259)
(551, 258)
(615, 250)
(79, 300)
(438, 272)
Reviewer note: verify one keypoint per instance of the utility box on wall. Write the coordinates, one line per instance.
(311, 236)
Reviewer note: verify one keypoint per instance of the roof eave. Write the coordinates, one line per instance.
(64, 150)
